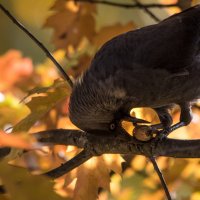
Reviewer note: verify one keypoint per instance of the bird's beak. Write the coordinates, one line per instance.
(135, 120)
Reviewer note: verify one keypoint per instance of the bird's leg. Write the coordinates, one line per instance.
(145, 132)
(166, 122)
(185, 119)
(163, 129)
(165, 118)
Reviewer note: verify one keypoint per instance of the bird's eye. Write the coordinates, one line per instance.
(112, 126)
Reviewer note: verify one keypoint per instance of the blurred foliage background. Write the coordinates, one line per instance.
(34, 98)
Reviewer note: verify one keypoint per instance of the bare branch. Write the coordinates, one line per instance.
(79, 159)
(125, 5)
(105, 143)
(162, 180)
(146, 9)
(48, 54)
(62, 137)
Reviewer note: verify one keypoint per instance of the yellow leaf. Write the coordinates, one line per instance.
(21, 185)
(40, 105)
(195, 196)
(91, 176)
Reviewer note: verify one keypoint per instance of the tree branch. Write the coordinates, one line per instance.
(76, 161)
(48, 54)
(104, 143)
(146, 9)
(125, 5)
(101, 143)
(162, 180)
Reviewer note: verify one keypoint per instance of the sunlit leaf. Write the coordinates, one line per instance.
(71, 26)
(108, 32)
(17, 141)
(91, 176)
(21, 185)
(40, 105)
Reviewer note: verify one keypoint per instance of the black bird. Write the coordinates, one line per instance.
(157, 66)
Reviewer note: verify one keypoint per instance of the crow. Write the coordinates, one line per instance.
(156, 66)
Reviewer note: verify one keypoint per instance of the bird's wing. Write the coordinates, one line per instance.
(171, 45)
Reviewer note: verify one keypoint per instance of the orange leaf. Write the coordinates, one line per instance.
(108, 32)
(16, 141)
(13, 69)
(71, 23)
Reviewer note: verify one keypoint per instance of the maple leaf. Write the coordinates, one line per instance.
(108, 32)
(71, 26)
(91, 176)
(40, 105)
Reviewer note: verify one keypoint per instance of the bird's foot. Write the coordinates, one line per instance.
(146, 133)
(162, 134)
(156, 132)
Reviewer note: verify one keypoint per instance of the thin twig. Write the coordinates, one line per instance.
(124, 5)
(162, 180)
(76, 161)
(146, 9)
(48, 54)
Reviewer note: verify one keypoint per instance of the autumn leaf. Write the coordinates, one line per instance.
(21, 185)
(38, 90)
(91, 176)
(40, 105)
(108, 32)
(114, 162)
(14, 68)
(17, 141)
(71, 23)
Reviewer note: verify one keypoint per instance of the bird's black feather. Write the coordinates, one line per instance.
(155, 66)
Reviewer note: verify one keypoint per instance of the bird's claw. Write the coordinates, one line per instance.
(146, 133)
